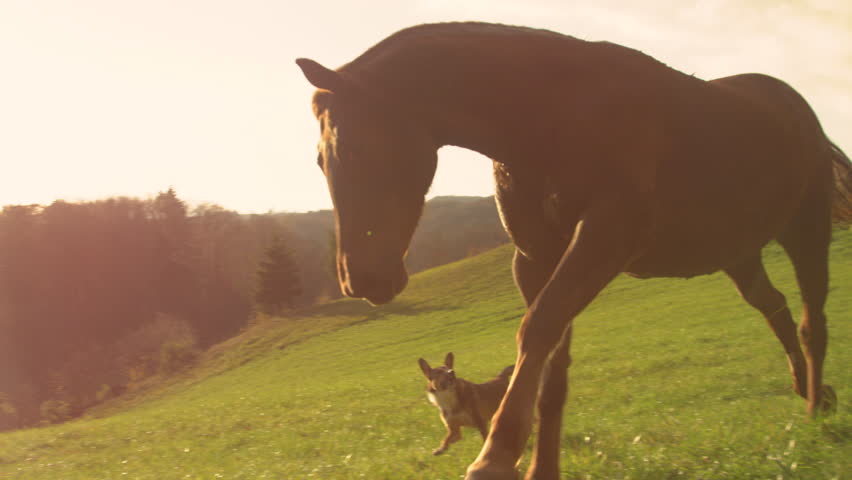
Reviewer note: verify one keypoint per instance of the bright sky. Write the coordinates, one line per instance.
(102, 98)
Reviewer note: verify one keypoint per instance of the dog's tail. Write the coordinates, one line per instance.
(507, 372)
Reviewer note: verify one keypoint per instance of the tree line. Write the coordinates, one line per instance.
(95, 296)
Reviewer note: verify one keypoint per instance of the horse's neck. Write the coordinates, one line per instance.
(483, 124)
(482, 103)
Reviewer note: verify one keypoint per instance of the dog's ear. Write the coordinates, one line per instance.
(425, 367)
(448, 360)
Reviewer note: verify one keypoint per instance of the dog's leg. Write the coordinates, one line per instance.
(453, 436)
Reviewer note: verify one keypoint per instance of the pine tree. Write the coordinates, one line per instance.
(278, 279)
(177, 284)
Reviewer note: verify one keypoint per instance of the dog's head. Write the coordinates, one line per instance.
(440, 378)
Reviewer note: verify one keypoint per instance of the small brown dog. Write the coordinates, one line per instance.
(463, 403)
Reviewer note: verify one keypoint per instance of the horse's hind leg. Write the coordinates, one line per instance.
(753, 284)
(806, 241)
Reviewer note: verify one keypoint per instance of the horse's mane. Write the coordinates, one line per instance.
(481, 38)
(431, 33)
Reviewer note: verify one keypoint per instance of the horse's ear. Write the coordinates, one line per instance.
(448, 360)
(425, 367)
(320, 76)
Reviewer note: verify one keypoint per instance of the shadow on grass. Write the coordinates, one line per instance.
(837, 433)
(369, 312)
(359, 312)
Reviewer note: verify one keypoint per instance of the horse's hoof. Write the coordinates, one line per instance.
(490, 471)
(438, 451)
(828, 405)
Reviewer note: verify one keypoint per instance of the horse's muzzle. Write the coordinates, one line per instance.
(376, 286)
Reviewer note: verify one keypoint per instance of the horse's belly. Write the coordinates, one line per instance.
(699, 238)
(685, 262)
(720, 206)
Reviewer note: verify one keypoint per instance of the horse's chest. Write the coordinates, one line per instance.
(559, 212)
(539, 212)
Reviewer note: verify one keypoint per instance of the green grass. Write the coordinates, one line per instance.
(671, 379)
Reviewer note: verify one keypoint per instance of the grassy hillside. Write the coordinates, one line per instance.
(671, 379)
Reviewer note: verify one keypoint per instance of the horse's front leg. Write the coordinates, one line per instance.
(531, 274)
(551, 399)
(606, 239)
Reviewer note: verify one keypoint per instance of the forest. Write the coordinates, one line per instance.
(97, 296)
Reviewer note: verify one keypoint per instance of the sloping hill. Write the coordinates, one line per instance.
(671, 379)
(451, 228)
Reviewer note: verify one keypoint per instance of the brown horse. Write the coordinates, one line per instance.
(606, 161)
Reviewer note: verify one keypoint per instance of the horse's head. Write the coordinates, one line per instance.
(378, 164)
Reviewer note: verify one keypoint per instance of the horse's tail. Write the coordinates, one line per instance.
(842, 205)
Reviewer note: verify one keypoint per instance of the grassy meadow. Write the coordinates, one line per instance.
(672, 379)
